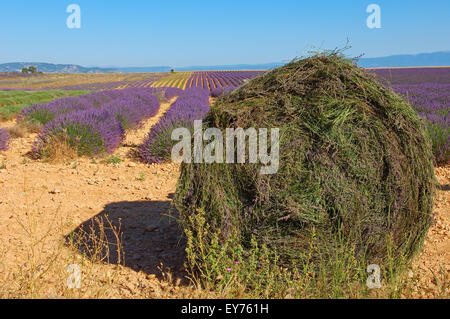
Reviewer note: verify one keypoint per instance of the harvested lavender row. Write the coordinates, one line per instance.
(99, 125)
(192, 104)
(4, 139)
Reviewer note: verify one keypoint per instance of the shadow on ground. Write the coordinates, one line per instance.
(445, 188)
(148, 234)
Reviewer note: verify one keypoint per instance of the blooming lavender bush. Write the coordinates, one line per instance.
(192, 104)
(131, 111)
(170, 93)
(90, 132)
(94, 123)
(43, 113)
(4, 139)
(438, 128)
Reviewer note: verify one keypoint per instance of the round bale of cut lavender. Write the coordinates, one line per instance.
(353, 174)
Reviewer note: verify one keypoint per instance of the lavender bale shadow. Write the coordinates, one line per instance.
(147, 232)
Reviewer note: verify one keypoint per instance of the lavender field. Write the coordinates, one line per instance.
(413, 75)
(91, 124)
(428, 91)
(116, 140)
(192, 104)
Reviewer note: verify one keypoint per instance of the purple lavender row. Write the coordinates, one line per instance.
(426, 97)
(95, 123)
(43, 113)
(221, 78)
(95, 86)
(413, 75)
(222, 91)
(432, 102)
(4, 139)
(171, 92)
(107, 85)
(192, 104)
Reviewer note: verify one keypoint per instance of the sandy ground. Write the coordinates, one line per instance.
(432, 266)
(60, 198)
(42, 203)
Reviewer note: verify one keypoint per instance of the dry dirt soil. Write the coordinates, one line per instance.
(50, 212)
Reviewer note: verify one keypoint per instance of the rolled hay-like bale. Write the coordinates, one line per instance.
(355, 166)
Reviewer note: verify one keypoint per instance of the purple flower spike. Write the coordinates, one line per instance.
(4, 139)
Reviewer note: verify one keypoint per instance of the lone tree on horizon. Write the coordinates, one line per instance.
(32, 69)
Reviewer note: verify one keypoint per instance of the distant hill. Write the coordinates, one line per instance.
(54, 68)
(406, 60)
(72, 68)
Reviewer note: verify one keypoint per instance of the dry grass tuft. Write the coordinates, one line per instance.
(59, 150)
(24, 129)
(18, 131)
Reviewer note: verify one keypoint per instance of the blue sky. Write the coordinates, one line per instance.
(193, 32)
